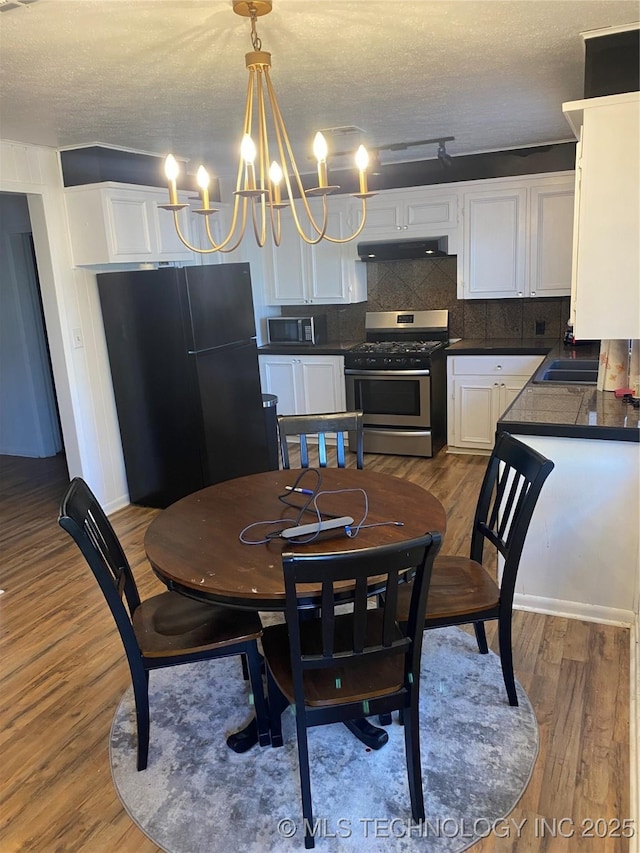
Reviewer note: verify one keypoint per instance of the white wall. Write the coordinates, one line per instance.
(70, 301)
(581, 556)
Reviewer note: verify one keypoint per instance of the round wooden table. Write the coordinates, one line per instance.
(194, 545)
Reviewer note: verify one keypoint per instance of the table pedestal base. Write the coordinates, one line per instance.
(367, 733)
(247, 737)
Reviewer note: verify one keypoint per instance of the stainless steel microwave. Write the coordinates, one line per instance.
(297, 330)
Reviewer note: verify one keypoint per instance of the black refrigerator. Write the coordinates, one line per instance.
(184, 364)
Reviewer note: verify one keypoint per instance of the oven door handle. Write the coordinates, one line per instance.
(389, 374)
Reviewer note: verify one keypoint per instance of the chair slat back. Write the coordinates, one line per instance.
(370, 636)
(512, 483)
(321, 425)
(84, 519)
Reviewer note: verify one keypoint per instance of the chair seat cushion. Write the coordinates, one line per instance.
(334, 685)
(459, 586)
(172, 624)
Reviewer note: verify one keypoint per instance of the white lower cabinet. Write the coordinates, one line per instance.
(480, 389)
(304, 384)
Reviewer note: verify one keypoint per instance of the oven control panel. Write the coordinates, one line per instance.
(382, 362)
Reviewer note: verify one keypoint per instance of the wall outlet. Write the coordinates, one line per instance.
(76, 338)
(541, 325)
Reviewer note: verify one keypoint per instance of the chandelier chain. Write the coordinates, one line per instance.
(256, 41)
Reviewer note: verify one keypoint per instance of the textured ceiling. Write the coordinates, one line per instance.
(160, 75)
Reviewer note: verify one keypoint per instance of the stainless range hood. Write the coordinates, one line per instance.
(403, 250)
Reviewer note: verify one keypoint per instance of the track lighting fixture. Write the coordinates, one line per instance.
(444, 158)
(443, 155)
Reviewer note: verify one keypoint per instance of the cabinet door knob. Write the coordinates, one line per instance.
(496, 384)
(533, 293)
(519, 293)
(498, 367)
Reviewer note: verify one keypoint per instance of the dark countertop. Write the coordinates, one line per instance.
(508, 346)
(330, 348)
(571, 411)
(564, 411)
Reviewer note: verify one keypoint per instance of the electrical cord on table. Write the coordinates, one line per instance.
(310, 505)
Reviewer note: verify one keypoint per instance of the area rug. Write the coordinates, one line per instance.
(197, 796)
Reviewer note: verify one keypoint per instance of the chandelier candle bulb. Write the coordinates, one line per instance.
(362, 161)
(172, 170)
(320, 151)
(275, 176)
(248, 154)
(202, 178)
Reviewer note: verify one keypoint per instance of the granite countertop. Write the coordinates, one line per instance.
(507, 346)
(571, 411)
(329, 348)
(564, 411)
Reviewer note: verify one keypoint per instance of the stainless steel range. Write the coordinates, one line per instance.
(398, 378)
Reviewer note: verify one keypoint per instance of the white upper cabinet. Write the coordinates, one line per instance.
(606, 263)
(322, 274)
(517, 238)
(112, 223)
(551, 237)
(494, 243)
(415, 212)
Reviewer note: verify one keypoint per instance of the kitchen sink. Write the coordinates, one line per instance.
(569, 371)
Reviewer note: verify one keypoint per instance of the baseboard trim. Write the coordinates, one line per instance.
(574, 610)
(116, 504)
(468, 451)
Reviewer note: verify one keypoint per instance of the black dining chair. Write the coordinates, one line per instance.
(334, 424)
(166, 630)
(343, 666)
(462, 590)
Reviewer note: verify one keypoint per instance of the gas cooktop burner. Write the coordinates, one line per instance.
(397, 347)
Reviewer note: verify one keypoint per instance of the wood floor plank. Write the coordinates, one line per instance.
(64, 672)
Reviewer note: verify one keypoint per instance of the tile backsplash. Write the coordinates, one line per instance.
(428, 284)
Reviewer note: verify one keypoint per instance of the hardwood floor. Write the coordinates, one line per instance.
(64, 672)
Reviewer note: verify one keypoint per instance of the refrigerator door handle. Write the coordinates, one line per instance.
(222, 346)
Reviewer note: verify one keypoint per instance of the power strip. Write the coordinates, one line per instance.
(317, 527)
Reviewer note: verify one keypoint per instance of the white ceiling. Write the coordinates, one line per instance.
(160, 75)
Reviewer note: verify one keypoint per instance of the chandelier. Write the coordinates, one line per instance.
(259, 194)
